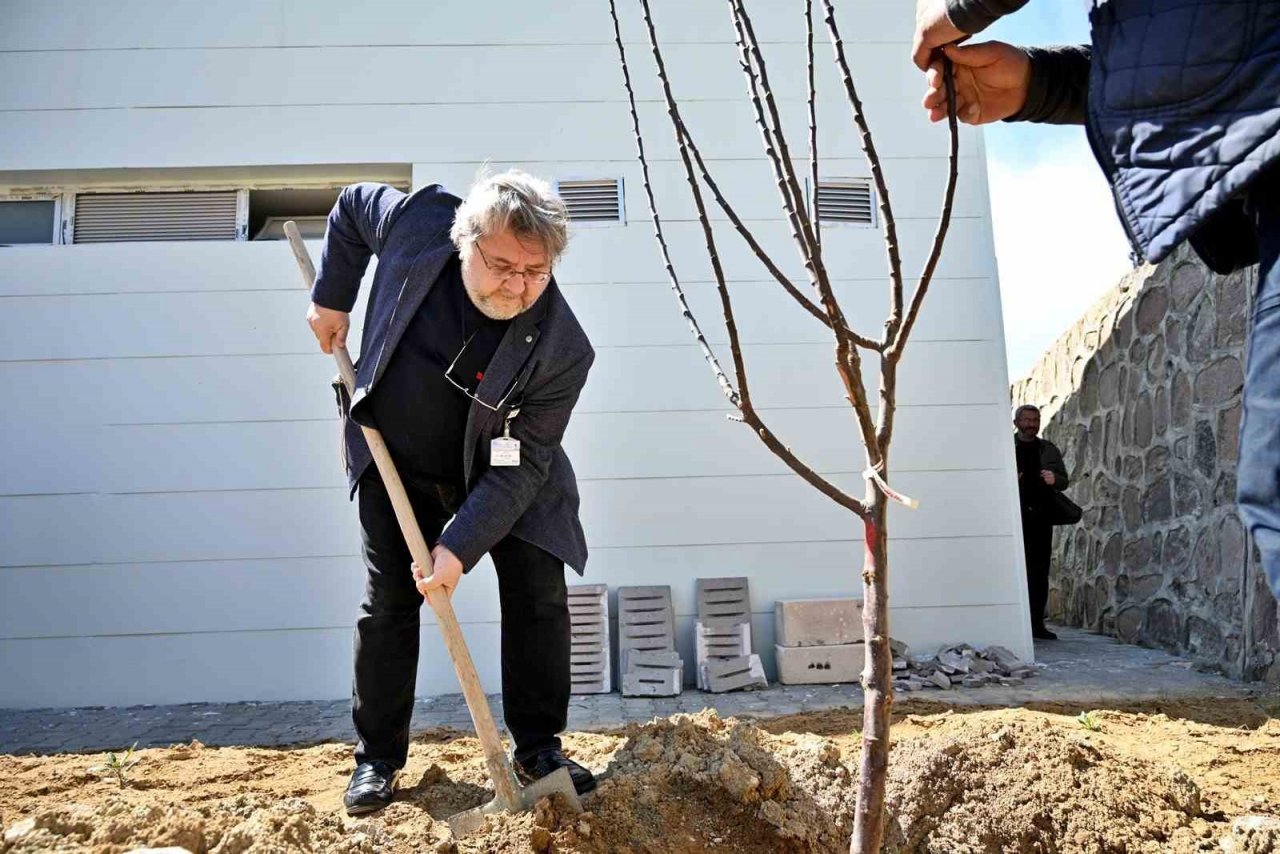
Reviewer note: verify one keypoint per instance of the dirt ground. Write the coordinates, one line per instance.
(1172, 777)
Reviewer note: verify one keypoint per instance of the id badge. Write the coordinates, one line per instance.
(504, 451)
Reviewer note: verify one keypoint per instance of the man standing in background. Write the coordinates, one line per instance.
(1040, 472)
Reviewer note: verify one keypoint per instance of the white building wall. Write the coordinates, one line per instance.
(173, 521)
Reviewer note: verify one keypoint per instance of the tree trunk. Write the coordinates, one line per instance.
(877, 685)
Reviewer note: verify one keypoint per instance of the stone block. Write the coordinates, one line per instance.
(590, 669)
(725, 599)
(817, 622)
(820, 665)
(633, 661)
(645, 619)
(732, 674)
(590, 684)
(715, 642)
(652, 683)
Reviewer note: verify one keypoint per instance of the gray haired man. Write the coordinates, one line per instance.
(471, 363)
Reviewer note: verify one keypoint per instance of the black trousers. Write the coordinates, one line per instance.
(1037, 544)
(535, 631)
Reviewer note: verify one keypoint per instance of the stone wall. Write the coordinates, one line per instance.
(1143, 397)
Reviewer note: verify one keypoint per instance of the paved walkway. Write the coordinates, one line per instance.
(1081, 668)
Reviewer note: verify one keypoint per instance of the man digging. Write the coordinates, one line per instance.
(471, 363)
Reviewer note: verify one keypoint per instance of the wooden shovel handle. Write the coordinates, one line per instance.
(504, 781)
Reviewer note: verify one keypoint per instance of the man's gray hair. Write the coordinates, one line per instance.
(1026, 407)
(515, 200)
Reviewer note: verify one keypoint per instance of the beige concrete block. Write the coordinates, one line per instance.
(817, 622)
(820, 665)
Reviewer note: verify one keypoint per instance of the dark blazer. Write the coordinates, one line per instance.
(540, 367)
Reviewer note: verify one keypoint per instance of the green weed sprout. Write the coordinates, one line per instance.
(118, 766)
(1090, 721)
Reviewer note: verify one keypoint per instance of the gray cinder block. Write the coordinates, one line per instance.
(652, 683)
(732, 674)
(723, 599)
(716, 642)
(817, 622)
(820, 665)
(589, 654)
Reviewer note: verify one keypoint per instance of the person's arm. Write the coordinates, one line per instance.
(503, 493)
(974, 16)
(356, 231)
(1058, 90)
(944, 22)
(354, 234)
(1052, 460)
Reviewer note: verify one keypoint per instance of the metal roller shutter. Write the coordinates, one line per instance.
(121, 217)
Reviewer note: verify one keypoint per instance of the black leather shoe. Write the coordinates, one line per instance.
(1043, 633)
(542, 764)
(371, 788)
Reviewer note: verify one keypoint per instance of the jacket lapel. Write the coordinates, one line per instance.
(512, 354)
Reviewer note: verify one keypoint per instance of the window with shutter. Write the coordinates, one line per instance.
(846, 200)
(593, 200)
(122, 217)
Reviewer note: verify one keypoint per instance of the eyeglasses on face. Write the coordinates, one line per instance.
(505, 272)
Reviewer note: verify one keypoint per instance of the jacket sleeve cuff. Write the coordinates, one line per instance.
(339, 298)
(1058, 93)
(456, 541)
(974, 16)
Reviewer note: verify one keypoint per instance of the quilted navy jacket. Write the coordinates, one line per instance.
(1183, 112)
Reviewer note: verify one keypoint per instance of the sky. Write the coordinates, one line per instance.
(1059, 245)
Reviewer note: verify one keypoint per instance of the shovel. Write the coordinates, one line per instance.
(510, 796)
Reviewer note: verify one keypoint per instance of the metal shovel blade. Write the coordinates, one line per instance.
(559, 781)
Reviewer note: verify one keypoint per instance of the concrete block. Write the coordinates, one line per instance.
(817, 622)
(590, 669)
(715, 642)
(820, 665)
(645, 619)
(732, 674)
(652, 683)
(590, 685)
(723, 599)
(632, 660)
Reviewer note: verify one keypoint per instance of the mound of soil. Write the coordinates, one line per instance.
(999, 782)
(697, 782)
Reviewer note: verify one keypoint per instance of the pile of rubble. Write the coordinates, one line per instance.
(961, 665)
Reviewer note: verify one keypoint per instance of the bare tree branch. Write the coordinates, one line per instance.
(848, 360)
(944, 220)
(877, 173)
(743, 399)
(813, 121)
(742, 229)
(752, 418)
(725, 385)
(898, 338)
(754, 68)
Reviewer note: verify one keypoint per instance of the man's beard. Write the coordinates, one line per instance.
(495, 309)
